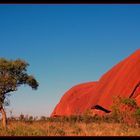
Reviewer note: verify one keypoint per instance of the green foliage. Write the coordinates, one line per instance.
(13, 73)
(137, 115)
(129, 101)
(137, 112)
(125, 110)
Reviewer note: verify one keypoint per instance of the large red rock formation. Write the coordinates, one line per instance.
(74, 100)
(121, 80)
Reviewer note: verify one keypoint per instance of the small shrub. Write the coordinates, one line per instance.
(136, 114)
(21, 117)
(123, 110)
(116, 115)
(43, 118)
(129, 101)
(30, 119)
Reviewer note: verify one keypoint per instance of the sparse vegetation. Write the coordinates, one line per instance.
(13, 74)
(128, 101)
(124, 120)
(47, 128)
(124, 110)
(136, 115)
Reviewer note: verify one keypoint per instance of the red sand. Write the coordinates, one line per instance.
(122, 80)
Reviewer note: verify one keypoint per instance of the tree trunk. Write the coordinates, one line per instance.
(4, 118)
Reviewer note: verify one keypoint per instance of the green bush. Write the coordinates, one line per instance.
(130, 115)
(124, 110)
(116, 113)
(137, 115)
(129, 101)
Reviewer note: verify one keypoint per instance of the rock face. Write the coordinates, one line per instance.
(75, 100)
(122, 80)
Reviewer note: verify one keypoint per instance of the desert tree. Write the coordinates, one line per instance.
(13, 74)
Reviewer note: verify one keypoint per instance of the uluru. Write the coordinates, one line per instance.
(123, 80)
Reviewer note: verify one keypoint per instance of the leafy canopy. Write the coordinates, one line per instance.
(13, 73)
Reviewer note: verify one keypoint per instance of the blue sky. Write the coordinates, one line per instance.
(65, 45)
